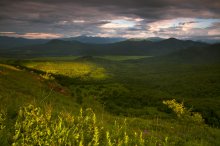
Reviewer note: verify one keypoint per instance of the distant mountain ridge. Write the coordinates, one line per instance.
(128, 47)
(210, 53)
(10, 42)
(152, 39)
(94, 40)
(192, 55)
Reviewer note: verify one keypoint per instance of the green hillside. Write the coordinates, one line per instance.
(110, 91)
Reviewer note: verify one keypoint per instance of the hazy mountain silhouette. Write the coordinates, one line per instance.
(128, 47)
(10, 42)
(94, 40)
(152, 39)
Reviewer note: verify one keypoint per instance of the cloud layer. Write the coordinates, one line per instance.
(116, 18)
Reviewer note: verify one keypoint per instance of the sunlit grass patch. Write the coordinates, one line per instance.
(81, 70)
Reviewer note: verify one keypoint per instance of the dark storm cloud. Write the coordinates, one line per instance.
(143, 8)
(76, 17)
(137, 6)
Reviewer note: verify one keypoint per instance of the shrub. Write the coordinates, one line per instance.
(184, 113)
(47, 76)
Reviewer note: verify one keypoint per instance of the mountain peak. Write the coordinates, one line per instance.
(173, 39)
(56, 41)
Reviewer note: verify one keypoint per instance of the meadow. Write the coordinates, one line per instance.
(108, 101)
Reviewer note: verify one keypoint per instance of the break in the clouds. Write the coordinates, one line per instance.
(197, 19)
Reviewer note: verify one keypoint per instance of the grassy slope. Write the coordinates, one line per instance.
(20, 87)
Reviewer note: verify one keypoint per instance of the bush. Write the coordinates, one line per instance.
(183, 113)
(47, 76)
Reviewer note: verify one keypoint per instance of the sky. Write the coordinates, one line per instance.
(183, 19)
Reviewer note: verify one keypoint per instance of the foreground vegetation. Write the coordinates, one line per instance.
(98, 102)
(35, 126)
